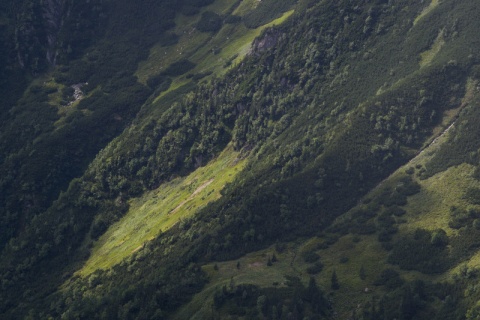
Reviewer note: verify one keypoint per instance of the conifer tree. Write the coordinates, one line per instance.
(334, 285)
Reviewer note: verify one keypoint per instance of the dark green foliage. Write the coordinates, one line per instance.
(361, 273)
(190, 10)
(407, 186)
(360, 222)
(316, 268)
(310, 256)
(272, 303)
(303, 105)
(462, 145)
(269, 262)
(389, 278)
(178, 68)
(197, 3)
(439, 238)
(334, 285)
(472, 195)
(394, 198)
(465, 243)
(140, 300)
(421, 251)
(199, 76)
(460, 217)
(168, 39)
(160, 82)
(407, 301)
(233, 19)
(209, 22)
(395, 210)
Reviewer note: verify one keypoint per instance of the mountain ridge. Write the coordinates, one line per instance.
(346, 95)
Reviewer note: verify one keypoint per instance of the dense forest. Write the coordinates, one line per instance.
(237, 159)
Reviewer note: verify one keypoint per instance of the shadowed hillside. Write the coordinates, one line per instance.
(239, 159)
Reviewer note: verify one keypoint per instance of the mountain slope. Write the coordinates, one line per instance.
(322, 113)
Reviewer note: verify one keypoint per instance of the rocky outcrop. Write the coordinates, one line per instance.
(37, 28)
(53, 12)
(268, 40)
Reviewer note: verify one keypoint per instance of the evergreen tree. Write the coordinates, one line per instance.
(269, 262)
(334, 285)
(362, 274)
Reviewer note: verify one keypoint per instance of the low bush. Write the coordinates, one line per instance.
(209, 22)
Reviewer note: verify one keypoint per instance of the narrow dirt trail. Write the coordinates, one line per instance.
(197, 191)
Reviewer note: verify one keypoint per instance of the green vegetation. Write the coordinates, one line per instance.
(239, 159)
(158, 210)
(266, 11)
(426, 11)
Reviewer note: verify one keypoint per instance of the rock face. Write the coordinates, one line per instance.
(37, 28)
(78, 93)
(269, 40)
(53, 12)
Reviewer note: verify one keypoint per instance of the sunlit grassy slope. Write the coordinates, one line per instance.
(428, 56)
(160, 209)
(210, 52)
(365, 252)
(427, 10)
(232, 41)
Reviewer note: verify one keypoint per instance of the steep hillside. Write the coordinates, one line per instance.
(163, 162)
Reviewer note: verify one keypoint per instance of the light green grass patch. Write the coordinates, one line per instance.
(245, 7)
(253, 270)
(190, 41)
(235, 42)
(426, 11)
(427, 57)
(430, 209)
(198, 47)
(161, 57)
(354, 291)
(160, 209)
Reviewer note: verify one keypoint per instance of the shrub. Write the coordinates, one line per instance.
(439, 238)
(472, 195)
(419, 251)
(389, 278)
(209, 22)
(395, 210)
(317, 267)
(311, 257)
(233, 19)
(408, 187)
(178, 68)
(190, 10)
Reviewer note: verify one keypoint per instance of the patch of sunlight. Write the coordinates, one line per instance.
(426, 11)
(428, 56)
(160, 209)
